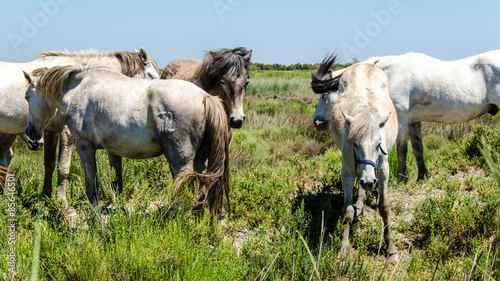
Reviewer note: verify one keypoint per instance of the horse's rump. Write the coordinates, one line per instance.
(184, 69)
(216, 177)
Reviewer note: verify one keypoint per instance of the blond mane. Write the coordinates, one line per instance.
(131, 62)
(54, 82)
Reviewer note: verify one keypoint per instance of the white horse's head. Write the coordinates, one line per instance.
(137, 64)
(46, 89)
(366, 139)
(40, 109)
(327, 87)
(150, 67)
(324, 110)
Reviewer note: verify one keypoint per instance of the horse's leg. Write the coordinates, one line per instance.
(66, 144)
(6, 141)
(49, 160)
(86, 151)
(348, 209)
(418, 149)
(360, 202)
(115, 162)
(384, 209)
(180, 159)
(6, 153)
(200, 166)
(402, 151)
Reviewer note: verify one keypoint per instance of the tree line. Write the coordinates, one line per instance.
(296, 66)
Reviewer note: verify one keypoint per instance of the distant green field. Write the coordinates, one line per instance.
(284, 176)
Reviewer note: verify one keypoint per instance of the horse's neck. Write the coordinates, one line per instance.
(64, 100)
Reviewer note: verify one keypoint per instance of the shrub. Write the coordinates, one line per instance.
(472, 145)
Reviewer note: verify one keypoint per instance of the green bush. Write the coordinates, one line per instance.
(473, 144)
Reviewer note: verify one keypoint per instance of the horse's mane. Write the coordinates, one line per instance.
(320, 82)
(365, 123)
(54, 82)
(131, 61)
(216, 64)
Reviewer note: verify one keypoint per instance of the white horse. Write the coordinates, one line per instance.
(364, 126)
(424, 89)
(135, 118)
(14, 108)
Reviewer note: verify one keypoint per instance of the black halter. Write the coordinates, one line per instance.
(365, 161)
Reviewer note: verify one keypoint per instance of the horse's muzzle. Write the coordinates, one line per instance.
(32, 133)
(320, 124)
(236, 123)
(368, 185)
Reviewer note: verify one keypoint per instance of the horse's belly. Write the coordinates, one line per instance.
(131, 146)
(449, 115)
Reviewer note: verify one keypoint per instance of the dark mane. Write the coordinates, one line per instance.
(218, 63)
(320, 82)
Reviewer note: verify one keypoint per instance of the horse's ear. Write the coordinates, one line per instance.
(348, 118)
(384, 119)
(143, 55)
(28, 77)
(248, 55)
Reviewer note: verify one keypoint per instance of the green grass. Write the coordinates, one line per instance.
(284, 176)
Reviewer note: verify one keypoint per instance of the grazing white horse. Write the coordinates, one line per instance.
(134, 118)
(14, 108)
(364, 126)
(425, 89)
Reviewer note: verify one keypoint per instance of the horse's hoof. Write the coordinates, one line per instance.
(423, 177)
(402, 178)
(357, 214)
(393, 257)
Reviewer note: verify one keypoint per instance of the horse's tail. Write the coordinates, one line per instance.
(321, 83)
(216, 177)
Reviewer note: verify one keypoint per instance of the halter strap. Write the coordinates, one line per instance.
(362, 161)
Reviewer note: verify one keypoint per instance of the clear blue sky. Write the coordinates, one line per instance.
(278, 31)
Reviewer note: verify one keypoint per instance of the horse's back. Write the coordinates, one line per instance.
(184, 69)
(424, 88)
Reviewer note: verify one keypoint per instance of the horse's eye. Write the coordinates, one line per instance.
(246, 83)
(223, 82)
(355, 145)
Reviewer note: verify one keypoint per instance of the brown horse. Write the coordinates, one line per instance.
(222, 73)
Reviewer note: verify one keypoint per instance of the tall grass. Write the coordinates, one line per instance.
(286, 222)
